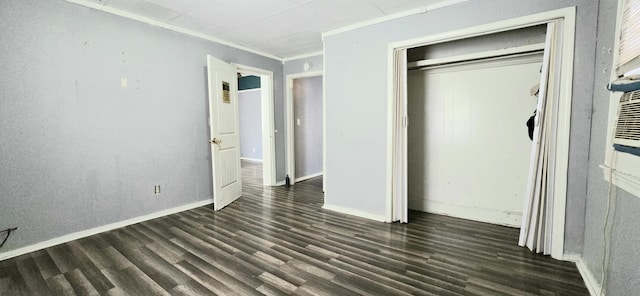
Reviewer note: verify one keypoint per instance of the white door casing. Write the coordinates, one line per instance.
(290, 124)
(224, 127)
(268, 122)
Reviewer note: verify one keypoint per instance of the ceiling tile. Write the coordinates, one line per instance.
(144, 8)
(103, 2)
(284, 46)
(220, 15)
(265, 29)
(197, 25)
(180, 6)
(326, 13)
(391, 6)
(264, 8)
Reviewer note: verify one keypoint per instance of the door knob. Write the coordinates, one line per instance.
(215, 141)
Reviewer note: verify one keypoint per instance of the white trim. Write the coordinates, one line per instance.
(290, 124)
(248, 90)
(324, 128)
(307, 177)
(281, 183)
(487, 215)
(352, 212)
(133, 16)
(626, 182)
(564, 112)
(589, 280)
(500, 26)
(500, 61)
(391, 119)
(268, 122)
(501, 53)
(84, 233)
(251, 159)
(305, 74)
(289, 136)
(303, 56)
(394, 16)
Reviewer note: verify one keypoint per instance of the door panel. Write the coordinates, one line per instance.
(225, 138)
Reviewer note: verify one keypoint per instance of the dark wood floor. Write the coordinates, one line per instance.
(278, 241)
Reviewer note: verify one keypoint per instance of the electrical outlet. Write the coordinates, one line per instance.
(157, 189)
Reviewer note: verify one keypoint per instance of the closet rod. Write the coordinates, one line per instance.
(477, 56)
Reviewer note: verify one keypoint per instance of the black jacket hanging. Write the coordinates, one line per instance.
(531, 124)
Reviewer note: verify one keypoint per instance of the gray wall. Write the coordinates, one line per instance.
(624, 258)
(77, 150)
(250, 109)
(307, 108)
(356, 99)
(297, 66)
(513, 38)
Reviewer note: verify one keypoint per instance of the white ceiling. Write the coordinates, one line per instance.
(281, 28)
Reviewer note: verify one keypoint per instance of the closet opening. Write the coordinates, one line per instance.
(458, 142)
(468, 102)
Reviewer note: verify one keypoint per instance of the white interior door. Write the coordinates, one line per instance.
(224, 126)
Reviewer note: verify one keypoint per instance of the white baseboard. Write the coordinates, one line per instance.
(506, 218)
(353, 212)
(281, 183)
(251, 159)
(589, 280)
(84, 233)
(308, 177)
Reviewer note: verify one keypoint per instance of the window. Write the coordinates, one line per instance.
(629, 43)
(622, 168)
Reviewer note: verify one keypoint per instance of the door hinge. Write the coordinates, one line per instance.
(405, 121)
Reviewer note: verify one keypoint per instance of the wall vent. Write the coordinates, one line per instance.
(628, 125)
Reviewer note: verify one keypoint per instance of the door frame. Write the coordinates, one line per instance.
(268, 125)
(568, 16)
(290, 122)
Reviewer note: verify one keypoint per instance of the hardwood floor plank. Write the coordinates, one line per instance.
(233, 283)
(212, 284)
(190, 288)
(134, 282)
(58, 285)
(95, 276)
(36, 285)
(269, 290)
(277, 283)
(47, 267)
(81, 285)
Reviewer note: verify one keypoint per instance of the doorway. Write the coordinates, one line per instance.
(304, 126)
(261, 151)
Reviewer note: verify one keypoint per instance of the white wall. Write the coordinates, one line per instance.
(250, 113)
(469, 148)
